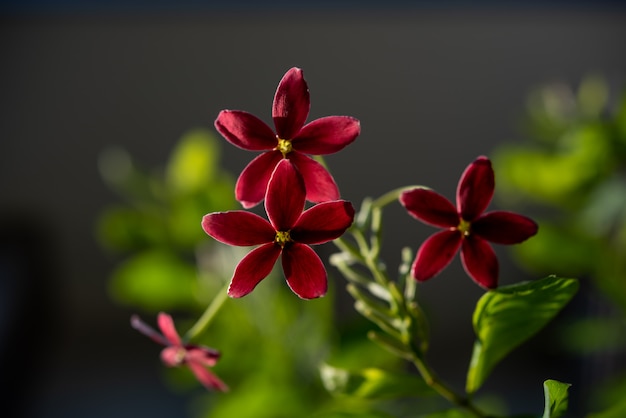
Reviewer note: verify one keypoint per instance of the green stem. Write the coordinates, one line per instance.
(392, 196)
(205, 320)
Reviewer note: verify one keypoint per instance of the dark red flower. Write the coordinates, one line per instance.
(467, 227)
(292, 139)
(289, 232)
(175, 353)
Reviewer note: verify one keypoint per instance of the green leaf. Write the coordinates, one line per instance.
(508, 316)
(450, 413)
(372, 383)
(556, 398)
(155, 280)
(618, 410)
(193, 162)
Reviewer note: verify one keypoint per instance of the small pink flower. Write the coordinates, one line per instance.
(466, 226)
(175, 353)
(292, 139)
(289, 232)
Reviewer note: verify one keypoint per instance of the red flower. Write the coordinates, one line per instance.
(466, 226)
(288, 232)
(292, 139)
(175, 353)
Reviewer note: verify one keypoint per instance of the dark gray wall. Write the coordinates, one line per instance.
(433, 90)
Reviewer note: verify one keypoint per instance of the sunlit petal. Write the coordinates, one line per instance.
(435, 254)
(253, 268)
(291, 104)
(238, 227)
(430, 207)
(285, 197)
(327, 135)
(304, 271)
(320, 185)
(166, 325)
(475, 189)
(252, 182)
(245, 130)
(480, 262)
(504, 227)
(323, 222)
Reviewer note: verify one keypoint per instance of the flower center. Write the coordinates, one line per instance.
(464, 227)
(284, 146)
(179, 357)
(282, 238)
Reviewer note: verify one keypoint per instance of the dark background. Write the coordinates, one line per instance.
(434, 85)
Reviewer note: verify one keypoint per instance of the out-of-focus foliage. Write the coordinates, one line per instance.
(572, 167)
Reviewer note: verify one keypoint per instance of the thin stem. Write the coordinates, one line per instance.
(205, 320)
(391, 196)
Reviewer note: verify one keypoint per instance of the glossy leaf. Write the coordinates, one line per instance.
(372, 383)
(556, 397)
(506, 317)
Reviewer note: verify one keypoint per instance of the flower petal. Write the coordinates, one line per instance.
(304, 271)
(146, 330)
(291, 104)
(504, 227)
(172, 356)
(206, 377)
(320, 185)
(430, 207)
(253, 268)
(323, 222)
(327, 135)
(435, 254)
(475, 189)
(252, 182)
(238, 227)
(201, 354)
(245, 130)
(480, 262)
(285, 197)
(166, 324)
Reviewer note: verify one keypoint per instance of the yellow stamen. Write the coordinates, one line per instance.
(464, 227)
(284, 146)
(282, 238)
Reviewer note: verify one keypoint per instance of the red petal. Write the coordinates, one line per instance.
(291, 104)
(203, 355)
(327, 135)
(323, 222)
(320, 185)
(252, 182)
(504, 227)
(475, 189)
(253, 268)
(430, 207)
(171, 356)
(245, 130)
(304, 271)
(238, 227)
(204, 376)
(166, 324)
(480, 262)
(435, 254)
(285, 197)
(146, 330)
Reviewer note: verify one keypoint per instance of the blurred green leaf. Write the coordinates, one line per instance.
(616, 411)
(591, 335)
(155, 280)
(193, 162)
(127, 229)
(508, 316)
(450, 413)
(556, 397)
(593, 95)
(372, 383)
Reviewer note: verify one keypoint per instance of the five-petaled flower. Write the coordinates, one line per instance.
(175, 353)
(289, 232)
(466, 226)
(292, 139)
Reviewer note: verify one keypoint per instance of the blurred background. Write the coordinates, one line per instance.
(84, 85)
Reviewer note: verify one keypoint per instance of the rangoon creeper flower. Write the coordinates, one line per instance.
(175, 353)
(466, 226)
(289, 233)
(292, 139)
